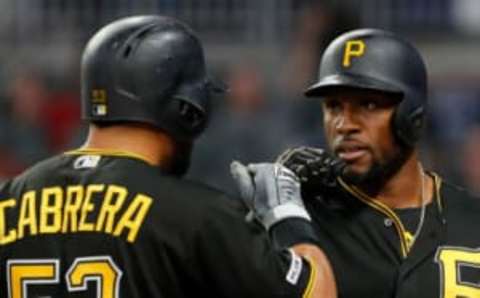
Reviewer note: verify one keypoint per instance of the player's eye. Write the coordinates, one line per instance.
(370, 105)
(332, 105)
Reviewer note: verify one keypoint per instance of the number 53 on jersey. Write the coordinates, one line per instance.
(25, 273)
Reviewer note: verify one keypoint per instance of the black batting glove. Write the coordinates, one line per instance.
(317, 169)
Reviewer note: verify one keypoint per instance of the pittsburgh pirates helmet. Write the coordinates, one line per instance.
(147, 69)
(374, 59)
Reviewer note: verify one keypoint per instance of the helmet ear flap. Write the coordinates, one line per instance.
(185, 118)
(408, 123)
(192, 116)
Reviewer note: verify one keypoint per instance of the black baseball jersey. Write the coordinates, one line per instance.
(372, 251)
(107, 224)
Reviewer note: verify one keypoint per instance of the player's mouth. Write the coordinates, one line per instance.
(351, 152)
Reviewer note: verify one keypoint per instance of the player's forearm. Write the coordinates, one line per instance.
(273, 192)
(323, 283)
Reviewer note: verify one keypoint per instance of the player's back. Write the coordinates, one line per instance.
(86, 224)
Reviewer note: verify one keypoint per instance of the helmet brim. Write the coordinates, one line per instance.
(350, 81)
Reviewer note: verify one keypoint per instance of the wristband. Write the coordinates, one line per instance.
(293, 231)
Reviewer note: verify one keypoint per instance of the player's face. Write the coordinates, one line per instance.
(358, 131)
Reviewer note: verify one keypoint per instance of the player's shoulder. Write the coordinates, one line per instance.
(455, 191)
(41, 169)
(457, 197)
(134, 174)
(175, 193)
(192, 208)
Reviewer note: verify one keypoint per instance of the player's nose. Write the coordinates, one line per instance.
(345, 121)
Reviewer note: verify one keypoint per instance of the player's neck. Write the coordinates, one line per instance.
(404, 188)
(153, 145)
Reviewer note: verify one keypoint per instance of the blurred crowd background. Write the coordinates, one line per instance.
(267, 51)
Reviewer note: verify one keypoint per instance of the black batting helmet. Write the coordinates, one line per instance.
(374, 59)
(147, 69)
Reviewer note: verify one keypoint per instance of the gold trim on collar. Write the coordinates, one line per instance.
(107, 152)
(437, 183)
(384, 209)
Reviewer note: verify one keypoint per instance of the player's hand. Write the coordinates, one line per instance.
(271, 190)
(315, 167)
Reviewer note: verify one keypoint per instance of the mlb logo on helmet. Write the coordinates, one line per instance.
(99, 102)
(99, 110)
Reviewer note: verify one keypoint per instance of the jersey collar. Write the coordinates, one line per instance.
(389, 212)
(107, 152)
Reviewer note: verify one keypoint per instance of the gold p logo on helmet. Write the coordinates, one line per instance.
(353, 48)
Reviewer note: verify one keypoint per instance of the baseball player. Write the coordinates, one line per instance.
(114, 218)
(389, 227)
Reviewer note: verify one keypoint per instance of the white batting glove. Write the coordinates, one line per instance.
(271, 190)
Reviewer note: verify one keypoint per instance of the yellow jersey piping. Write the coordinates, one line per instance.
(311, 280)
(107, 152)
(437, 182)
(384, 209)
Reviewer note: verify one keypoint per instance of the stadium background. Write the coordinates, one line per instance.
(266, 50)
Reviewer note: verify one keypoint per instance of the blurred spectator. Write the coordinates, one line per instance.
(22, 135)
(39, 122)
(470, 160)
(466, 15)
(319, 22)
(246, 126)
(62, 120)
(456, 104)
(454, 110)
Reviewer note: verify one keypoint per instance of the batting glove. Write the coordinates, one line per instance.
(272, 192)
(315, 167)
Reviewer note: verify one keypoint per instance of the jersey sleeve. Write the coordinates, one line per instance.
(237, 259)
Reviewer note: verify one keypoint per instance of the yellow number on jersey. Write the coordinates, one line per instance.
(102, 269)
(21, 273)
(450, 259)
